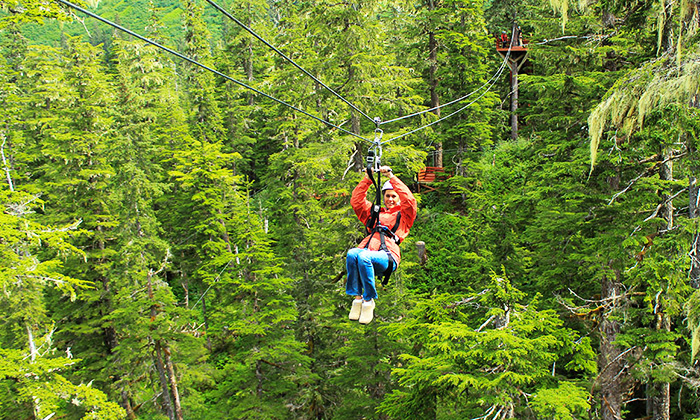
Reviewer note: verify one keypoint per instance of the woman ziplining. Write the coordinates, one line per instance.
(378, 254)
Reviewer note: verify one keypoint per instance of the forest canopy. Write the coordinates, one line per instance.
(176, 209)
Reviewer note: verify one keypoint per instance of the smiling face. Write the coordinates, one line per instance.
(391, 199)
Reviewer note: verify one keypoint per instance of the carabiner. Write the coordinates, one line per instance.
(378, 133)
(374, 156)
(377, 156)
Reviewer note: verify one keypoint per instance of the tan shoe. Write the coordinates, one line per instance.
(356, 310)
(367, 312)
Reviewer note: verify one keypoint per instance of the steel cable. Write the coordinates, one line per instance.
(250, 31)
(496, 75)
(492, 80)
(192, 61)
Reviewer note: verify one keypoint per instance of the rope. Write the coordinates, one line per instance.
(142, 38)
(242, 25)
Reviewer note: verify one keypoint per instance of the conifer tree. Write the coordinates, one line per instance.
(263, 368)
(143, 293)
(33, 371)
(13, 51)
(246, 59)
(314, 171)
(205, 114)
(477, 354)
(655, 106)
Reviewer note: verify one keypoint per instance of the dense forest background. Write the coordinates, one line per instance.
(172, 243)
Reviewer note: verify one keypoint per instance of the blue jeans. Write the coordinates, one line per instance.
(362, 264)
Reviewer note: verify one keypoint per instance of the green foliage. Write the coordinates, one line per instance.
(479, 353)
(31, 263)
(213, 224)
(37, 388)
(657, 84)
(25, 11)
(31, 382)
(565, 402)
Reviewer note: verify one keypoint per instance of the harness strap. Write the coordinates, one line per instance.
(373, 225)
(383, 232)
(374, 215)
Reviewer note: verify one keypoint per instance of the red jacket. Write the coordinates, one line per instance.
(363, 210)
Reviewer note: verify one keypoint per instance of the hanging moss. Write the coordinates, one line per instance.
(659, 83)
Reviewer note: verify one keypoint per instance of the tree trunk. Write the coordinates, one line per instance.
(160, 367)
(660, 398)
(422, 255)
(206, 322)
(126, 404)
(666, 174)
(610, 362)
(248, 61)
(5, 164)
(514, 67)
(661, 392)
(32, 346)
(666, 44)
(694, 212)
(173, 383)
(358, 162)
(260, 378)
(433, 83)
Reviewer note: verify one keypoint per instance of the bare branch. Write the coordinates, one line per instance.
(647, 172)
(663, 203)
(4, 161)
(466, 300)
(485, 323)
(487, 413)
(350, 164)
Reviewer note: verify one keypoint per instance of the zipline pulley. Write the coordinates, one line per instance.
(374, 154)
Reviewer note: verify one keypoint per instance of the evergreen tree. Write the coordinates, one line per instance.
(33, 379)
(246, 59)
(478, 355)
(205, 115)
(263, 368)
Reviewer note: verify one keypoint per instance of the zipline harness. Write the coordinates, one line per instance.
(373, 225)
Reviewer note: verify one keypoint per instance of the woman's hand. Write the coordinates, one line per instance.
(386, 171)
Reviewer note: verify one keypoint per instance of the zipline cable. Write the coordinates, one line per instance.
(250, 31)
(495, 76)
(452, 114)
(216, 280)
(142, 38)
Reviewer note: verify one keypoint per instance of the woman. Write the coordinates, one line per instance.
(369, 258)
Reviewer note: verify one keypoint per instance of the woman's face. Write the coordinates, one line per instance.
(391, 199)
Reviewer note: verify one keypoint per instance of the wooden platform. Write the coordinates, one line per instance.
(429, 175)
